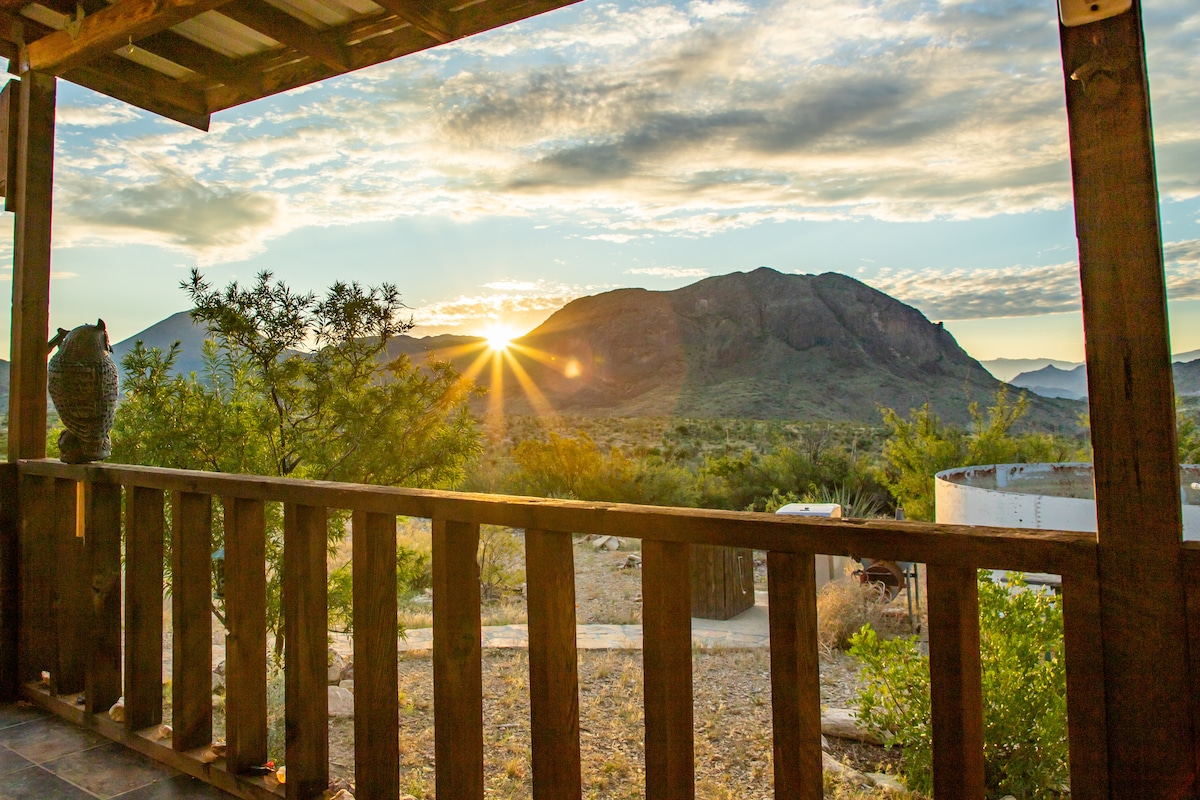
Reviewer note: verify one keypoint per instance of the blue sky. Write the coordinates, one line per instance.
(919, 146)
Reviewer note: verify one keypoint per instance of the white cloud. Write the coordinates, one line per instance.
(669, 272)
(95, 116)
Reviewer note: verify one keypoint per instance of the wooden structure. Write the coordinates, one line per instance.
(722, 581)
(1131, 593)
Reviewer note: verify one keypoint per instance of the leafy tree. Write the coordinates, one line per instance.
(1187, 434)
(295, 385)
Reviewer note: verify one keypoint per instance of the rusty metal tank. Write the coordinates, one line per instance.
(83, 386)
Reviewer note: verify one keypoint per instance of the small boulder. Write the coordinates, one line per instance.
(336, 663)
(842, 772)
(348, 685)
(890, 784)
(842, 724)
(341, 702)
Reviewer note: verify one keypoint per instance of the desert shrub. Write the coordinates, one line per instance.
(1187, 435)
(501, 560)
(1024, 694)
(844, 607)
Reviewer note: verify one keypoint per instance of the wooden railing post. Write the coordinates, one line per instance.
(10, 597)
(38, 622)
(246, 634)
(457, 662)
(667, 659)
(305, 626)
(1087, 737)
(795, 676)
(73, 591)
(191, 619)
(955, 682)
(553, 665)
(102, 543)
(144, 531)
(376, 686)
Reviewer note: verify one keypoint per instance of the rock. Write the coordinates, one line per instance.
(632, 561)
(348, 672)
(890, 784)
(824, 743)
(336, 663)
(843, 772)
(342, 794)
(218, 683)
(841, 723)
(607, 543)
(348, 685)
(219, 669)
(341, 702)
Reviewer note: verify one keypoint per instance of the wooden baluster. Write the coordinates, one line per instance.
(1086, 724)
(553, 665)
(795, 679)
(1191, 584)
(376, 688)
(144, 532)
(74, 592)
(306, 626)
(246, 637)
(667, 660)
(457, 662)
(191, 619)
(10, 612)
(38, 625)
(956, 691)
(102, 543)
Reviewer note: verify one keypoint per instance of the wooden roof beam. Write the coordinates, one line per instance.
(288, 30)
(186, 53)
(108, 29)
(427, 16)
(144, 88)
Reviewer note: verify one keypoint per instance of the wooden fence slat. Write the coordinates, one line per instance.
(191, 620)
(795, 679)
(305, 625)
(74, 596)
(1191, 582)
(246, 636)
(667, 660)
(956, 690)
(102, 542)
(10, 629)
(39, 629)
(376, 688)
(553, 665)
(144, 532)
(457, 662)
(1086, 724)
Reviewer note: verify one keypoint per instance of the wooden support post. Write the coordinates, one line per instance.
(246, 638)
(457, 662)
(306, 626)
(39, 629)
(74, 591)
(376, 687)
(1086, 730)
(102, 543)
(191, 620)
(553, 665)
(1131, 406)
(955, 682)
(795, 676)
(667, 660)
(1191, 565)
(10, 597)
(31, 268)
(144, 531)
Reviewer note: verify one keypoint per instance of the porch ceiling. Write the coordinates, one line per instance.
(185, 59)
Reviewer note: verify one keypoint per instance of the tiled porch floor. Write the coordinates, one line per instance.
(46, 758)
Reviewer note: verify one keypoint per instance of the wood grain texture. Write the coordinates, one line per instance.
(956, 691)
(31, 268)
(795, 677)
(145, 530)
(553, 665)
(305, 623)
(288, 30)
(143, 88)
(38, 569)
(667, 661)
(102, 543)
(73, 603)
(376, 688)
(1131, 408)
(191, 619)
(722, 581)
(10, 573)
(457, 662)
(1087, 737)
(427, 16)
(1191, 572)
(246, 636)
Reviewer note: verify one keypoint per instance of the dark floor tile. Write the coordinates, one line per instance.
(11, 762)
(181, 787)
(14, 714)
(35, 783)
(109, 770)
(48, 739)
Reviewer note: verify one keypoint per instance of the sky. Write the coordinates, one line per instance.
(917, 145)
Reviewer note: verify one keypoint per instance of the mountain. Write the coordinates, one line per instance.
(1006, 369)
(175, 328)
(1187, 378)
(1050, 381)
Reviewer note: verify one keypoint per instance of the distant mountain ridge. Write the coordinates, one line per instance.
(178, 327)
(1052, 382)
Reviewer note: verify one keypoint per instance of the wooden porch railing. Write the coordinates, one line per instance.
(71, 621)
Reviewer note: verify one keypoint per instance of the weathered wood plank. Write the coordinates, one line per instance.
(1191, 573)
(102, 543)
(73, 603)
(1131, 408)
(288, 30)
(667, 660)
(31, 268)
(305, 624)
(145, 530)
(956, 690)
(795, 677)
(38, 624)
(427, 16)
(457, 665)
(143, 88)
(246, 636)
(191, 620)
(553, 665)
(10, 573)
(1086, 727)
(376, 688)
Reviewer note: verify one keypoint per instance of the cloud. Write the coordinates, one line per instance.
(669, 272)
(95, 116)
(520, 305)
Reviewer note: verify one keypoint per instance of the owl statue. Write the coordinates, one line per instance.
(83, 386)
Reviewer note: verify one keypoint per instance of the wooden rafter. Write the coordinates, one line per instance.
(206, 63)
(144, 88)
(427, 16)
(288, 30)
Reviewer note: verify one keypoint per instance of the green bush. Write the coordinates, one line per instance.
(1024, 694)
